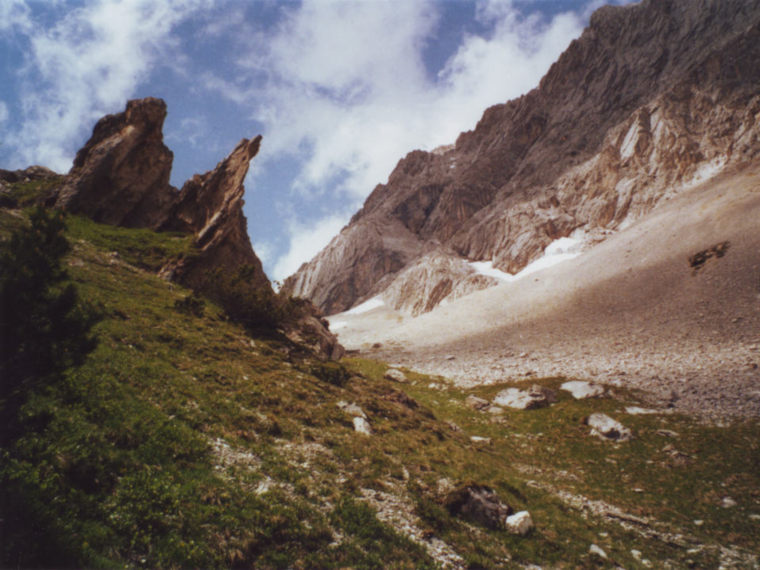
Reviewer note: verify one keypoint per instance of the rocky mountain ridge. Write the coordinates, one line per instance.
(651, 99)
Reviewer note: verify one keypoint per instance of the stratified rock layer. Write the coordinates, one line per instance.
(653, 98)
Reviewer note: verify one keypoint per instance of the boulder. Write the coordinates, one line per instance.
(519, 523)
(362, 426)
(606, 428)
(395, 375)
(476, 403)
(536, 397)
(582, 390)
(478, 504)
(352, 409)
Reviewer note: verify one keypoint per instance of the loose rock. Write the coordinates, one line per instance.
(362, 426)
(476, 403)
(582, 390)
(523, 399)
(395, 375)
(606, 428)
(520, 523)
(478, 504)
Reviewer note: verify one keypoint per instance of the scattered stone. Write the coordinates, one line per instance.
(480, 439)
(362, 426)
(476, 403)
(754, 517)
(395, 375)
(450, 357)
(495, 410)
(666, 433)
(581, 390)
(454, 427)
(536, 397)
(635, 411)
(699, 522)
(597, 551)
(352, 409)
(605, 427)
(519, 523)
(478, 504)
(728, 502)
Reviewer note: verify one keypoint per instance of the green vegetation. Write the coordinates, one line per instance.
(185, 439)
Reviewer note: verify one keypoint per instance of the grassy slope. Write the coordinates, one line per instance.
(184, 442)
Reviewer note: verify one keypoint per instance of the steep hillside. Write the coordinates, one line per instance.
(653, 98)
(184, 441)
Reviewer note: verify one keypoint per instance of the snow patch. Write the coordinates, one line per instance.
(366, 306)
(562, 249)
(338, 325)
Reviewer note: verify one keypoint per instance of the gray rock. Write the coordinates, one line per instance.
(478, 504)
(476, 403)
(522, 399)
(597, 551)
(395, 375)
(362, 426)
(352, 409)
(606, 428)
(582, 390)
(519, 523)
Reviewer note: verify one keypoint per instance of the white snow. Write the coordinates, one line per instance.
(556, 252)
(337, 325)
(366, 306)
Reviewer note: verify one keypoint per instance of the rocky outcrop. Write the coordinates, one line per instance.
(210, 205)
(653, 98)
(121, 175)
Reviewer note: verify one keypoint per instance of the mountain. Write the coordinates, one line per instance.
(651, 100)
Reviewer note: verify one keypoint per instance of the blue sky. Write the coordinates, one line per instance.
(341, 90)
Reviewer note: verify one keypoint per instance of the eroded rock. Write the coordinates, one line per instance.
(606, 428)
(478, 504)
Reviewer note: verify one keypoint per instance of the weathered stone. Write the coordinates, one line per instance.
(362, 426)
(595, 550)
(352, 409)
(521, 399)
(478, 504)
(520, 523)
(476, 403)
(395, 375)
(582, 390)
(605, 427)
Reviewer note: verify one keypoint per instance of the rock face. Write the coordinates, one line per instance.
(651, 99)
(121, 175)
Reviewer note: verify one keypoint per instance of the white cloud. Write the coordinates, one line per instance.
(306, 240)
(86, 65)
(3, 112)
(14, 16)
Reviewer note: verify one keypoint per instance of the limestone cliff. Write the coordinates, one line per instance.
(652, 98)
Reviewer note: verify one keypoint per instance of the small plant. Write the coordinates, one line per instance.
(191, 305)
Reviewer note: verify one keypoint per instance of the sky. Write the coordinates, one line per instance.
(341, 90)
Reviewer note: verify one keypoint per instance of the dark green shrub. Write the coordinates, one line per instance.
(44, 328)
(256, 307)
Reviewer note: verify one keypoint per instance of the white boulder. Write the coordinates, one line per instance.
(582, 390)
(362, 426)
(605, 427)
(519, 523)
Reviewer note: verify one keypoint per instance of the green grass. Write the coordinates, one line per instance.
(184, 442)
